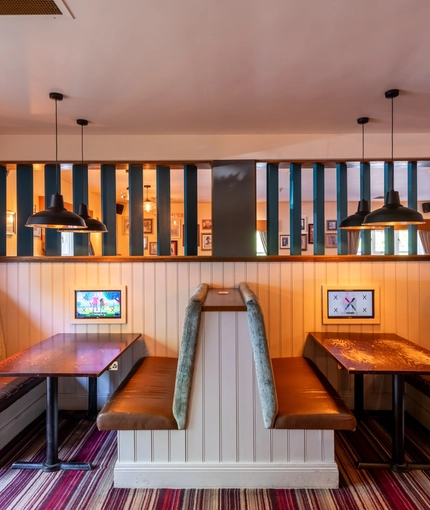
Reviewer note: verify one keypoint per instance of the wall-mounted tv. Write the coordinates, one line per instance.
(98, 305)
(350, 304)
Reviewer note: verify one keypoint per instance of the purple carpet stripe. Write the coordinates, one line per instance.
(93, 490)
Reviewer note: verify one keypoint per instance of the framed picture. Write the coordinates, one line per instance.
(173, 247)
(10, 223)
(153, 248)
(125, 225)
(311, 233)
(206, 242)
(284, 242)
(175, 228)
(206, 224)
(145, 242)
(331, 225)
(147, 225)
(304, 242)
(331, 240)
(37, 232)
(304, 224)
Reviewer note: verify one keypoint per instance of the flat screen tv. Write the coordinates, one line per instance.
(350, 304)
(98, 305)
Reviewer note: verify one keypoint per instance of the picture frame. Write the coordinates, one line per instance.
(311, 233)
(175, 228)
(126, 225)
(147, 225)
(206, 224)
(173, 247)
(10, 223)
(145, 242)
(284, 242)
(331, 225)
(304, 242)
(37, 232)
(303, 223)
(331, 240)
(206, 244)
(153, 248)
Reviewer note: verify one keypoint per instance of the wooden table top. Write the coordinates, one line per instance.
(224, 300)
(68, 355)
(376, 353)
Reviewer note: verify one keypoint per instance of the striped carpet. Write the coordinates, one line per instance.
(80, 441)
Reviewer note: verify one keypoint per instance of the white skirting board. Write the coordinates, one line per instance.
(242, 476)
(21, 413)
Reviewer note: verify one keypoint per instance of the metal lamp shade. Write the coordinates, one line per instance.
(92, 225)
(56, 216)
(393, 213)
(355, 221)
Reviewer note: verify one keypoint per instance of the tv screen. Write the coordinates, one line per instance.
(98, 305)
(350, 304)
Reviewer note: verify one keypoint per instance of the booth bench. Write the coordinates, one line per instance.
(223, 414)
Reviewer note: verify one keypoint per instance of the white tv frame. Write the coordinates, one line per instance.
(99, 288)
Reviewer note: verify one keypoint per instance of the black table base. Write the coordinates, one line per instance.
(398, 463)
(52, 463)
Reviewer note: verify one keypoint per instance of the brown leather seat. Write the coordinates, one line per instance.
(420, 382)
(144, 400)
(306, 400)
(13, 388)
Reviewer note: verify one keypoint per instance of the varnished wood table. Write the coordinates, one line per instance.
(380, 353)
(64, 355)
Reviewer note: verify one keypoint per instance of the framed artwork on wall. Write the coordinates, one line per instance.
(206, 224)
(331, 240)
(331, 225)
(147, 225)
(207, 242)
(153, 248)
(284, 242)
(311, 233)
(304, 243)
(10, 223)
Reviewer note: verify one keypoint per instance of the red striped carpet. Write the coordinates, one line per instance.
(80, 441)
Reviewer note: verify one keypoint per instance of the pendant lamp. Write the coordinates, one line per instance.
(393, 212)
(56, 215)
(355, 221)
(148, 205)
(92, 225)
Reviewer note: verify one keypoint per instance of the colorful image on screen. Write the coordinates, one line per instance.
(98, 304)
(350, 303)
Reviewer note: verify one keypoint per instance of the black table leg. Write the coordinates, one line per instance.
(398, 463)
(359, 396)
(52, 463)
(92, 398)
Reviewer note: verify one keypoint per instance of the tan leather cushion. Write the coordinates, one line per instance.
(13, 388)
(306, 400)
(144, 399)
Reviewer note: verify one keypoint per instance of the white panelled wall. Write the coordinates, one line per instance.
(225, 443)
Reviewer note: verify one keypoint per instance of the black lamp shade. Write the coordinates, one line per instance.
(355, 221)
(393, 213)
(92, 225)
(56, 216)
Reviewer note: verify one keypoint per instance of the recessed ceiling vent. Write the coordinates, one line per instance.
(29, 8)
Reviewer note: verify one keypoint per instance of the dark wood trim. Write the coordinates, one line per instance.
(223, 300)
(178, 259)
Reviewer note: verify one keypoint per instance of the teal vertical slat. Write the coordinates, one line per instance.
(190, 210)
(80, 196)
(52, 237)
(135, 206)
(412, 204)
(342, 206)
(3, 176)
(24, 209)
(366, 240)
(319, 217)
(108, 200)
(272, 208)
(295, 209)
(388, 185)
(163, 210)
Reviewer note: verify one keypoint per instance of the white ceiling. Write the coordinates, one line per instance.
(218, 67)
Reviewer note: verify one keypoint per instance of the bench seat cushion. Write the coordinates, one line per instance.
(13, 388)
(420, 382)
(144, 400)
(306, 400)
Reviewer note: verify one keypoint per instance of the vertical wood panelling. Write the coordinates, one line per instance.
(412, 203)
(135, 194)
(108, 200)
(272, 208)
(190, 210)
(342, 206)
(319, 214)
(163, 210)
(295, 208)
(24, 209)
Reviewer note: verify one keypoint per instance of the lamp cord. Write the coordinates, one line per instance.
(362, 143)
(82, 162)
(392, 130)
(57, 170)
